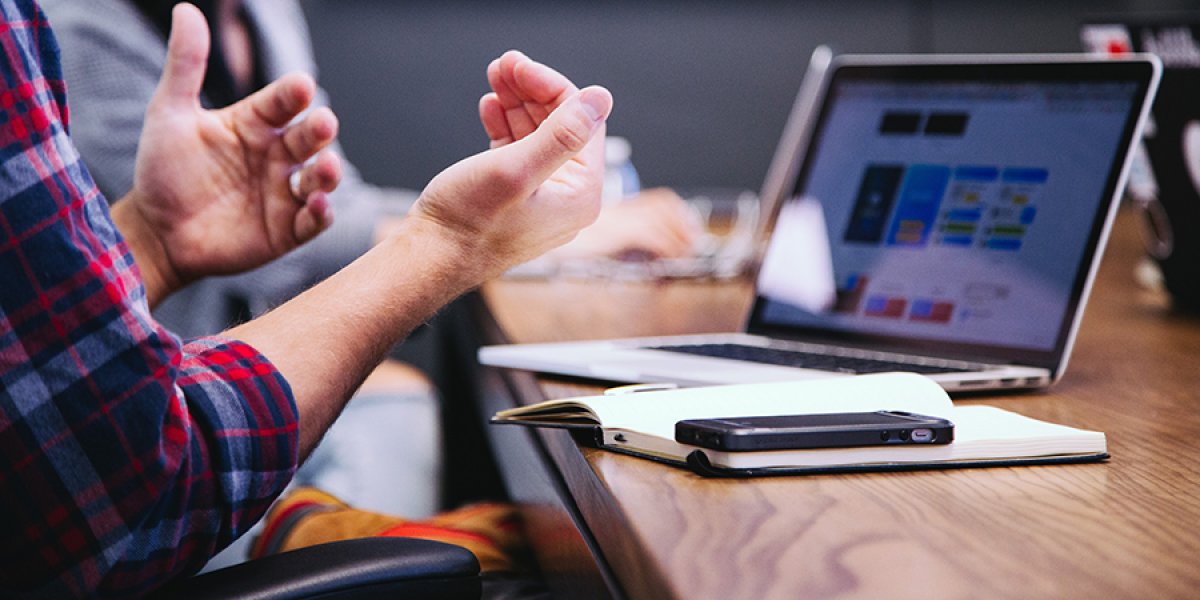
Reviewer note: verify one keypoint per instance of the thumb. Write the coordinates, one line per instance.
(187, 56)
(561, 136)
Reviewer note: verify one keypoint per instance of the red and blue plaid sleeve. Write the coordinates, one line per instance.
(126, 456)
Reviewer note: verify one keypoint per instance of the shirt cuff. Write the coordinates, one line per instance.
(244, 413)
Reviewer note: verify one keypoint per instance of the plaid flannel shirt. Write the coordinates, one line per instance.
(127, 457)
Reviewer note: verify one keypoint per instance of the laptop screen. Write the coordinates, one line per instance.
(961, 206)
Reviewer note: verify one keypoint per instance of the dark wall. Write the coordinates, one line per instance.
(702, 86)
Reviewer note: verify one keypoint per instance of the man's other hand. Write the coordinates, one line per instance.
(540, 182)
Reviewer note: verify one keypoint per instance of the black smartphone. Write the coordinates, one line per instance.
(827, 430)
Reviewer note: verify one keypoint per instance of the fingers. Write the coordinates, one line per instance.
(540, 84)
(314, 182)
(278, 103)
(561, 137)
(315, 217)
(539, 89)
(312, 134)
(526, 90)
(187, 57)
(320, 177)
(518, 79)
(512, 105)
(495, 124)
(262, 122)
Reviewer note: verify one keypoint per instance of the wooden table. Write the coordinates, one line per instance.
(604, 524)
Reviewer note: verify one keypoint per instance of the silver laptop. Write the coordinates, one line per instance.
(938, 214)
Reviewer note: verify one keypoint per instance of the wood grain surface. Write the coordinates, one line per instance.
(1128, 528)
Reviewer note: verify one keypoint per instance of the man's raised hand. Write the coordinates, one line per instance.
(223, 191)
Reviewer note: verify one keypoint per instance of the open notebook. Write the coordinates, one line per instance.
(643, 424)
(942, 215)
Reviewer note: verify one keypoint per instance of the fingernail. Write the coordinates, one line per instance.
(596, 102)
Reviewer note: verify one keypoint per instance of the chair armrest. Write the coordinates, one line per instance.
(387, 567)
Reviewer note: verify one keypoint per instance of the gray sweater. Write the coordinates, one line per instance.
(112, 58)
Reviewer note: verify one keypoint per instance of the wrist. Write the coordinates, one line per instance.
(149, 252)
(448, 256)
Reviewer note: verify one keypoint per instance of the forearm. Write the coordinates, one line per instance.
(327, 339)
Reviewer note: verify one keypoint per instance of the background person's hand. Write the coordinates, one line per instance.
(539, 184)
(227, 190)
(655, 223)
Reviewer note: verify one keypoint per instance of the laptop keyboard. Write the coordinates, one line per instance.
(809, 360)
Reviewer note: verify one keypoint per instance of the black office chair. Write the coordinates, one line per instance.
(382, 567)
